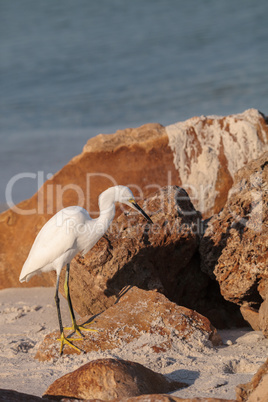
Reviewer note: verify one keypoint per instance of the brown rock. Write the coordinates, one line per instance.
(263, 317)
(256, 389)
(134, 253)
(251, 316)
(138, 312)
(109, 379)
(206, 152)
(234, 248)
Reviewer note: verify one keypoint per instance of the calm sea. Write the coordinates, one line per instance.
(71, 69)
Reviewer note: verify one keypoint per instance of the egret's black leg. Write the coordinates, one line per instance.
(57, 301)
(62, 336)
(67, 293)
(75, 327)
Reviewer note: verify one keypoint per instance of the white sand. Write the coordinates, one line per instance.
(27, 315)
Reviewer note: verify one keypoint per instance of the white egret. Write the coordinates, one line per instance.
(67, 233)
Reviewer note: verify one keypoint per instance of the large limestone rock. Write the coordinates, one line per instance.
(109, 379)
(234, 248)
(201, 154)
(138, 314)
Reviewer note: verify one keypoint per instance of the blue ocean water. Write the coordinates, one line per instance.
(71, 69)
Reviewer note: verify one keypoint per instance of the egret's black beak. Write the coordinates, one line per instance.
(142, 212)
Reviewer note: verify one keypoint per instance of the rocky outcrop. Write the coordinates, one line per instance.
(200, 154)
(109, 379)
(138, 313)
(234, 249)
(256, 389)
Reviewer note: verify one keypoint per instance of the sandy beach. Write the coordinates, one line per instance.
(27, 315)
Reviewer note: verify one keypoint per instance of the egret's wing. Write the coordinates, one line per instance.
(55, 239)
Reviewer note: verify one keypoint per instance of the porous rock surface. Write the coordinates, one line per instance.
(137, 313)
(109, 379)
(234, 249)
(201, 154)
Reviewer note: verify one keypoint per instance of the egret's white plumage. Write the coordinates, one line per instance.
(69, 232)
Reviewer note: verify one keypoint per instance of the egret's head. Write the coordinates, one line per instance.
(124, 194)
(119, 194)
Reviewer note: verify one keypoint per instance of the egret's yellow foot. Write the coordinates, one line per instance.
(78, 328)
(67, 341)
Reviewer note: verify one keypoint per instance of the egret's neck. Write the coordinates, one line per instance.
(106, 217)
